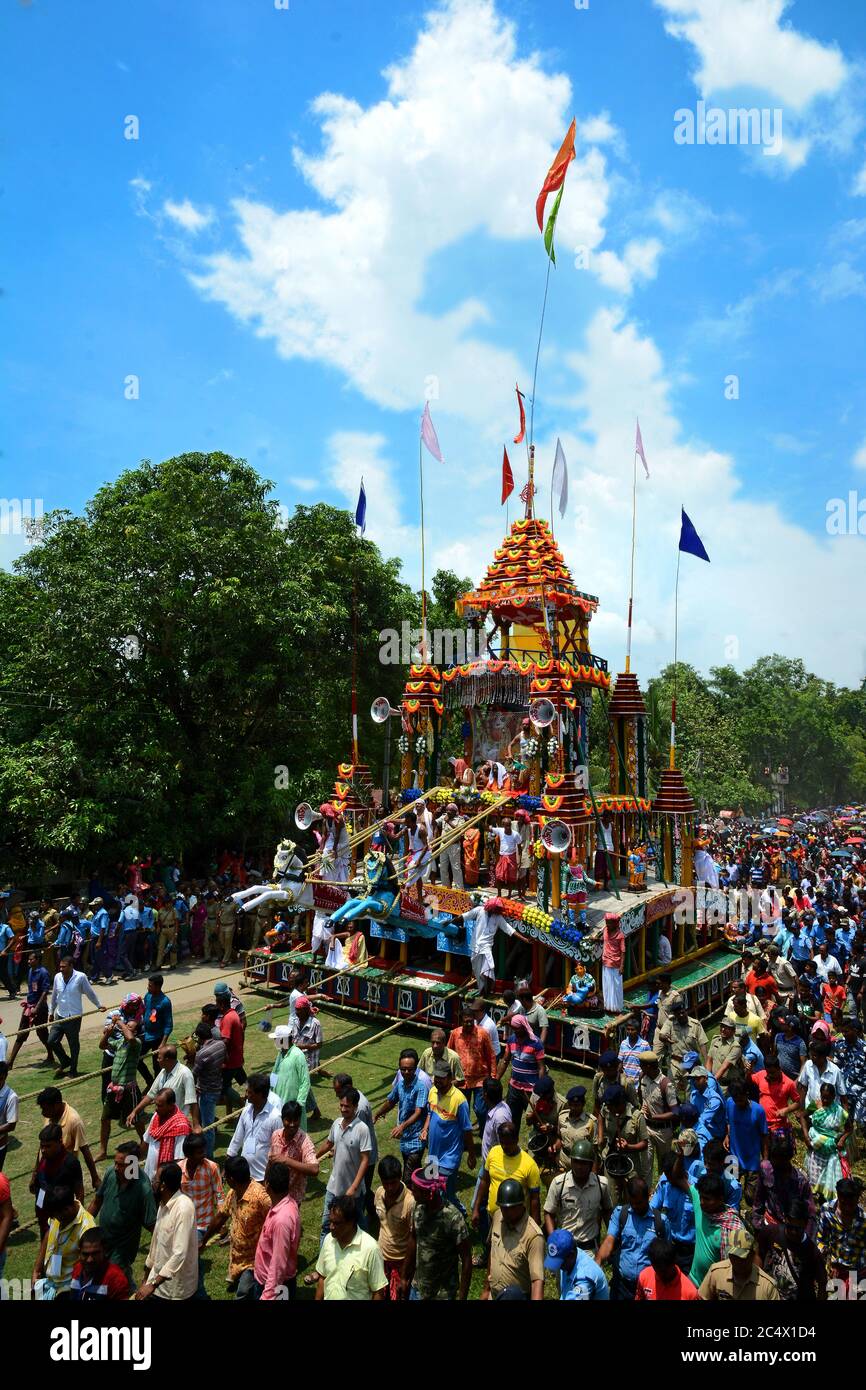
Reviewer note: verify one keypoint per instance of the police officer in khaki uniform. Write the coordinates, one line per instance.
(573, 1124)
(623, 1130)
(578, 1201)
(262, 923)
(657, 1098)
(226, 916)
(212, 931)
(678, 1035)
(725, 1056)
(738, 1279)
(516, 1246)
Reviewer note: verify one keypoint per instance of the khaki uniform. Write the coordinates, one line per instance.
(570, 1131)
(632, 1129)
(721, 1052)
(665, 1007)
(657, 1096)
(676, 1040)
(600, 1084)
(226, 915)
(212, 932)
(167, 920)
(516, 1254)
(263, 921)
(579, 1209)
(719, 1284)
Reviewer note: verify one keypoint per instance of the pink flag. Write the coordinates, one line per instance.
(428, 434)
(638, 448)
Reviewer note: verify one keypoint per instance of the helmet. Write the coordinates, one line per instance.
(582, 1152)
(510, 1193)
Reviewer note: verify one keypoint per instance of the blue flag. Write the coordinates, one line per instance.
(690, 541)
(361, 510)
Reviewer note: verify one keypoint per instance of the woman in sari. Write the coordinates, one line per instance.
(826, 1128)
(354, 949)
(471, 848)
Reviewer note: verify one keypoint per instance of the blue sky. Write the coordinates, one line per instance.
(328, 215)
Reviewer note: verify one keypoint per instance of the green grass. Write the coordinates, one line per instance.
(372, 1069)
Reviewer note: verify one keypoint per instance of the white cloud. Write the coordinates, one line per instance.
(639, 262)
(859, 459)
(187, 216)
(839, 281)
(736, 322)
(355, 455)
(458, 146)
(744, 44)
(302, 482)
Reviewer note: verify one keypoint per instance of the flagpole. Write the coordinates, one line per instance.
(423, 588)
(674, 700)
(538, 351)
(631, 574)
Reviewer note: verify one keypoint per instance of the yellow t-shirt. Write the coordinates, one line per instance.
(499, 1165)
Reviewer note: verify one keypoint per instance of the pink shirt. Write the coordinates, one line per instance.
(613, 949)
(277, 1253)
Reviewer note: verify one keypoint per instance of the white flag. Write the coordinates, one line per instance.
(560, 479)
(638, 448)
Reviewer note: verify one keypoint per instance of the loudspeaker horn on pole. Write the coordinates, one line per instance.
(305, 816)
(556, 836)
(542, 713)
(380, 710)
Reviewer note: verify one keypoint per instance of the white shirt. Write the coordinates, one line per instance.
(8, 1113)
(813, 1080)
(485, 925)
(509, 841)
(824, 968)
(665, 955)
(66, 997)
(492, 1032)
(180, 1080)
(604, 837)
(151, 1162)
(173, 1250)
(252, 1137)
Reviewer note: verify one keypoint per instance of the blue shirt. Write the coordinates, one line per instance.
(710, 1106)
(129, 918)
(844, 939)
(634, 1236)
(148, 918)
(751, 1050)
(36, 934)
(746, 1128)
(38, 982)
(64, 935)
(408, 1099)
(801, 946)
(584, 1282)
(733, 1189)
(98, 923)
(791, 1053)
(445, 1137)
(677, 1206)
(158, 1018)
(6, 935)
(817, 933)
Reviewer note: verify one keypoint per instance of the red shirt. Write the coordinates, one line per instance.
(775, 1097)
(753, 980)
(475, 1053)
(233, 1036)
(650, 1289)
(613, 949)
(111, 1283)
(833, 997)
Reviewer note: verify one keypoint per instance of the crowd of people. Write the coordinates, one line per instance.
(686, 1168)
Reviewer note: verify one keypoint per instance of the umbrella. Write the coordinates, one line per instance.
(840, 854)
(785, 833)
(856, 840)
(785, 820)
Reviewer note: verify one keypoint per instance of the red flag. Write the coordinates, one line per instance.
(519, 437)
(507, 477)
(556, 173)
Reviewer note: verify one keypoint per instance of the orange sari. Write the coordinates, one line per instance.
(471, 846)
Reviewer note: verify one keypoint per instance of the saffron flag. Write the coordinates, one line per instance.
(428, 434)
(519, 437)
(361, 510)
(556, 175)
(559, 486)
(507, 477)
(690, 541)
(638, 448)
